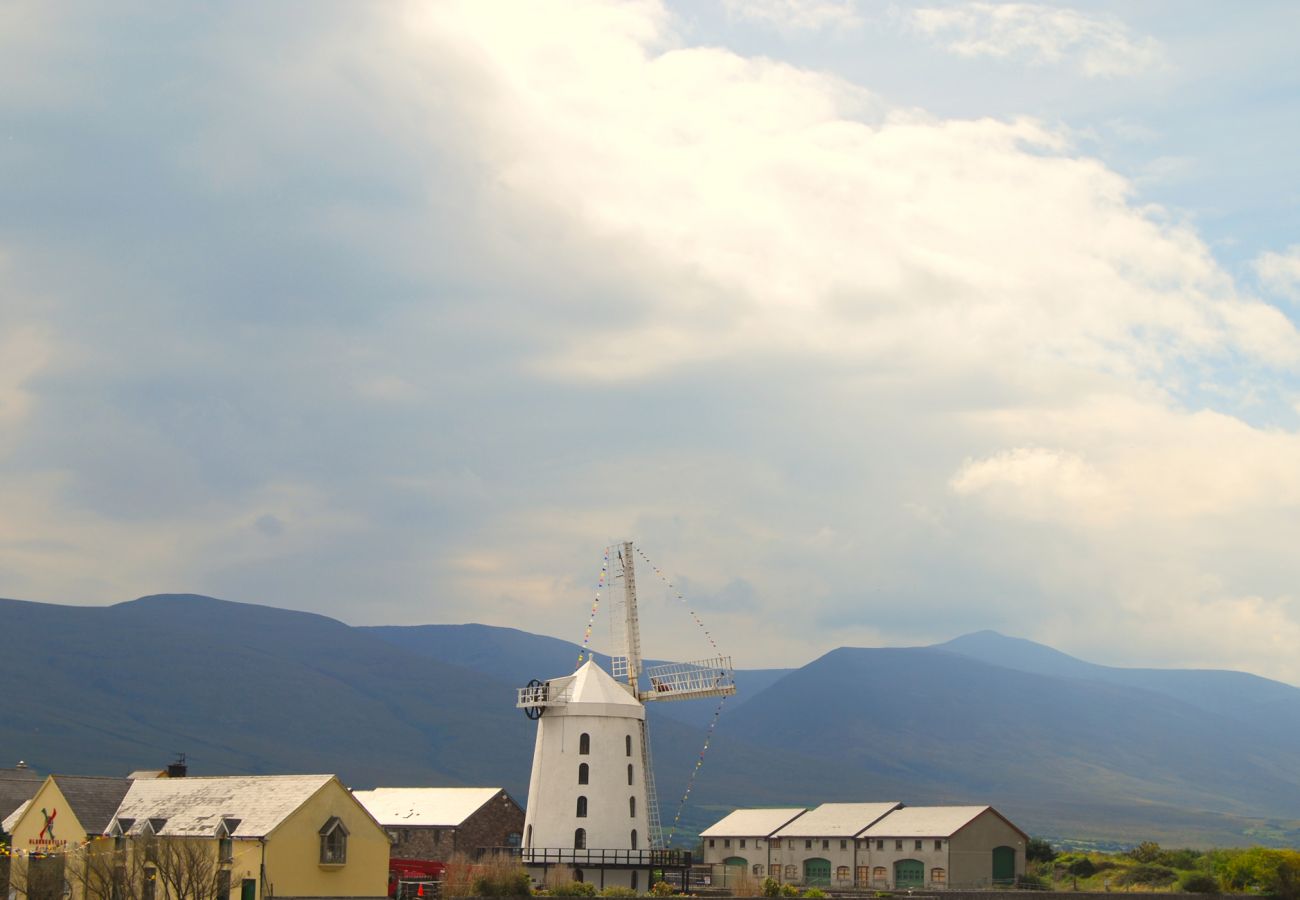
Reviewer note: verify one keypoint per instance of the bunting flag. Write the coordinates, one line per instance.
(690, 782)
(595, 605)
(678, 594)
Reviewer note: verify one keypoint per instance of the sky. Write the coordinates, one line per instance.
(871, 323)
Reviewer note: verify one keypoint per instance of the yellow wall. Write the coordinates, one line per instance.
(69, 834)
(293, 850)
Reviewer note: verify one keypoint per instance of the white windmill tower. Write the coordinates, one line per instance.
(591, 797)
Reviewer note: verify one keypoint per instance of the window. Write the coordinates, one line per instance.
(841, 873)
(223, 884)
(584, 773)
(826, 845)
(791, 873)
(758, 868)
(225, 850)
(864, 875)
(333, 843)
(880, 875)
(579, 843)
(918, 845)
(634, 879)
(742, 843)
(726, 842)
(807, 845)
(631, 807)
(528, 836)
(844, 844)
(584, 744)
(628, 743)
(775, 844)
(774, 870)
(938, 845)
(711, 842)
(633, 838)
(248, 889)
(582, 807)
(938, 876)
(880, 843)
(629, 773)
(577, 873)
(148, 890)
(513, 839)
(898, 845)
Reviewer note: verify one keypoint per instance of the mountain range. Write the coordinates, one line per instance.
(1065, 748)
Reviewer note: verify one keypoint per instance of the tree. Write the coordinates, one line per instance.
(1039, 850)
(1145, 852)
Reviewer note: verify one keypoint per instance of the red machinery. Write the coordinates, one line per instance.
(414, 878)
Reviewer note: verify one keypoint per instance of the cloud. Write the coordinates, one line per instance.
(796, 15)
(1101, 46)
(1279, 273)
(401, 313)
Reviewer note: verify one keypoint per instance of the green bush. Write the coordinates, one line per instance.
(789, 890)
(573, 889)
(1147, 873)
(618, 891)
(1145, 852)
(1039, 850)
(771, 887)
(815, 893)
(1199, 883)
(663, 889)
(1083, 867)
(502, 884)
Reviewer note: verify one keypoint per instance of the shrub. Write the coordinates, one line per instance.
(1083, 867)
(499, 879)
(1145, 852)
(1039, 850)
(618, 891)
(789, 890)
(1147, 873)
(573, 889)
(1199, 883)
(815, 892)
(662, 889)
(771, 887)
(1030, 881)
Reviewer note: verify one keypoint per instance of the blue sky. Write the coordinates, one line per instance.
(872, 323)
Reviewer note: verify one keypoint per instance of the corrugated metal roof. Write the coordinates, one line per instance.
(429, 806)
(836, 820)
(196, 806)
(752, 822)
(924, 821)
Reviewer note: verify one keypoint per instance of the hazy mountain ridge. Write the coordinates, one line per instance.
(1062, 746)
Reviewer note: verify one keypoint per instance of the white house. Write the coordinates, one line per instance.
(820, 846)
(739, 841)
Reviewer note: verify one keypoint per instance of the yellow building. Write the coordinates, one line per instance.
(56, 832)
(217, 838)
(252, 837)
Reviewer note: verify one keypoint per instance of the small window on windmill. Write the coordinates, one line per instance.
(628, 743)
(584, 772)
(584, 744)
(582, 807)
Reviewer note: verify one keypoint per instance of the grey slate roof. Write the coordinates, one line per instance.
(93, 798)
(198, 806)
(17, 786)
(753, 822)
(836, 820)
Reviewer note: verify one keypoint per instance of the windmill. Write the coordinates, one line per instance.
(591, 796)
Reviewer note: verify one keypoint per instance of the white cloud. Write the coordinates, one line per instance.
(1280, 272)
(562, 277)
(1039, 34)
(796, 15)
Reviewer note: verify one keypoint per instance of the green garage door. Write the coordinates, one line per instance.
(817, 871)
(909, 873)
(1004, 865)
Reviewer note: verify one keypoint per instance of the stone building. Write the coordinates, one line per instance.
(820, 846)
(942, 846)
(739, 842)
(434, 823)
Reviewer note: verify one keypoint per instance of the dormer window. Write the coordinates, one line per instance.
(333, 843)
(154, 826)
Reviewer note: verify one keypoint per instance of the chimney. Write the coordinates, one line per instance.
(178, 769)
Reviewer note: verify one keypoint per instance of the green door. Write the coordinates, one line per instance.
(909, 873)
(1004, 865)
(817, 871)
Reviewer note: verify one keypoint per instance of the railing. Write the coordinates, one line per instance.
(555, 692)
(548, 856)
(681, 681)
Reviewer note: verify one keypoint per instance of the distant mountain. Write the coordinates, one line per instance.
(1064, 747)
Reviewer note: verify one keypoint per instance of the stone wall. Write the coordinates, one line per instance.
(490, 826)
